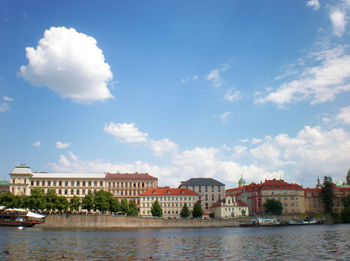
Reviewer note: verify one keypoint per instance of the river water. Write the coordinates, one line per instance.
(316, 242)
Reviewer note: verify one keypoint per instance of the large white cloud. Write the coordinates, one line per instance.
(125, 132)
(69, 63)
(163, 146)
(311, 153)
(344, 115)
(318, 83)
(338, 18)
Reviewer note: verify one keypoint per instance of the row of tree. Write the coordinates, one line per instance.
(197, 211)
(102, 201)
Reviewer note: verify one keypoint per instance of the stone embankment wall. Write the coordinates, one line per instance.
(110, 221)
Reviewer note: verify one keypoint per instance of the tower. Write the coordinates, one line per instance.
(241, 182)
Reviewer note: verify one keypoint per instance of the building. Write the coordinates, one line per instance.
(255, 195)
(170, 199)
(229, 208)
(208, 189)
(126, 185)
(4, 186)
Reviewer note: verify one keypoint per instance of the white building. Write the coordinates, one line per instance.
(229, 208)
(170, 199)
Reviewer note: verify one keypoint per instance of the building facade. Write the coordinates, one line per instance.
(208, 189)
(171, 200)
(128, 186)
(229, 208)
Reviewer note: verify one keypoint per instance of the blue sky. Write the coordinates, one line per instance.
(177, 89)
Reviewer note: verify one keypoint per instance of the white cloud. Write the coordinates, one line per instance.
(339, 22)
(313, 3)
(190, 78)
(313, 152)
(125, 132)
(62, 145)
(37, 144)
(7, 99)
(224, 117)
(344, 115)
(255, 141)
(163, 146)
(317, 83)
(4, 107)
(69, 63)
(232, 95)
(214, 75)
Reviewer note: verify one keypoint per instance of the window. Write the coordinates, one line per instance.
(54, 183)
(32, 183)
(200, 188)
(206, 196)
(95, 183)
(78, 183)
(60, 183)
(65, 191)
(37, 182)
(43, 183)
(206, 205)
(66, 183)
(219, 197)
(219, 188)
(206, 188)
(89, 183)
(49, 183)
(72, 183)
(212, 197)
(212, 189)
(72, 192)
(84, 183)
(101, 183)
(77, 191)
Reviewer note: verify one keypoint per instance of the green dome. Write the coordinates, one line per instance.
(241, 181)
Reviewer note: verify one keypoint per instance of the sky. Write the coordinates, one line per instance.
(177, 89)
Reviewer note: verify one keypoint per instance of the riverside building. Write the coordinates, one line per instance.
(208, 189)
(171, 200)
(121, 185)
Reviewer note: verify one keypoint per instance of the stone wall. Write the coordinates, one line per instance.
(110, 221)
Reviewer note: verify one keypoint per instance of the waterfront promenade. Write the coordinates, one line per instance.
(114, 221)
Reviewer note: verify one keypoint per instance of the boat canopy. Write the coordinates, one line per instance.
(34, 215)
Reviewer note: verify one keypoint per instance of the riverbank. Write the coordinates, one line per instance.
(111, 221)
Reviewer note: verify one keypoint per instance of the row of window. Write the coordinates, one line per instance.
(212, 197)
(167, 205)
(126, 193)
(130, 184)
(203, 188)
(60, 183)
(166, 212)
(180, 198)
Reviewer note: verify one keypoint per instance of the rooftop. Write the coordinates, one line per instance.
(166, 191)
(130, 176)
(201, 182)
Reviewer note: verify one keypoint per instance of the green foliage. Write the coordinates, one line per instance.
(62, 204)
(36, 200)
(327, 195)
(74, 203)
(345, 214)
(185, 212)
(115, 205)
(124, 206)
(88, 201)
(8, 199)
(51, 199)
(103, 200)
(273, 207)
(197, 210)
(132, 209)
(156, 209)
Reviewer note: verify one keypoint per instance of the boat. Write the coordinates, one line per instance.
(301, 221)
(262, 222)
(19, 217)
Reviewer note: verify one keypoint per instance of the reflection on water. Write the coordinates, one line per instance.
(279, 243)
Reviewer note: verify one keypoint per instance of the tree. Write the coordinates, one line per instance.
(273, 207)
(74, 203)
(103, 200)
(88, 201)
(345, 214)
(36, 200)
(115, 205)
(62, 204)
(185, 212)
(197, 211)
(132, 208)
(8, 199)
(327, 195)
(51, 199)
(156, 209)
(124, 206)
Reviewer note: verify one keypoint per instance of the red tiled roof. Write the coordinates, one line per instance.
(235, 189)
(279, 184)
(165, 191)
(130, 176)
(238, 203)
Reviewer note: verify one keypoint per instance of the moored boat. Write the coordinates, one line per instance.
(19, 217)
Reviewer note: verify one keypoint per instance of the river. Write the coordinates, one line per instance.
(315, 242)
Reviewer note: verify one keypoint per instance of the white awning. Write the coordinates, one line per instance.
(34, 215)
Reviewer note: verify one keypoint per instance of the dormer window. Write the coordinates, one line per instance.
(182, 191)
(154, 191)
(168, 192)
